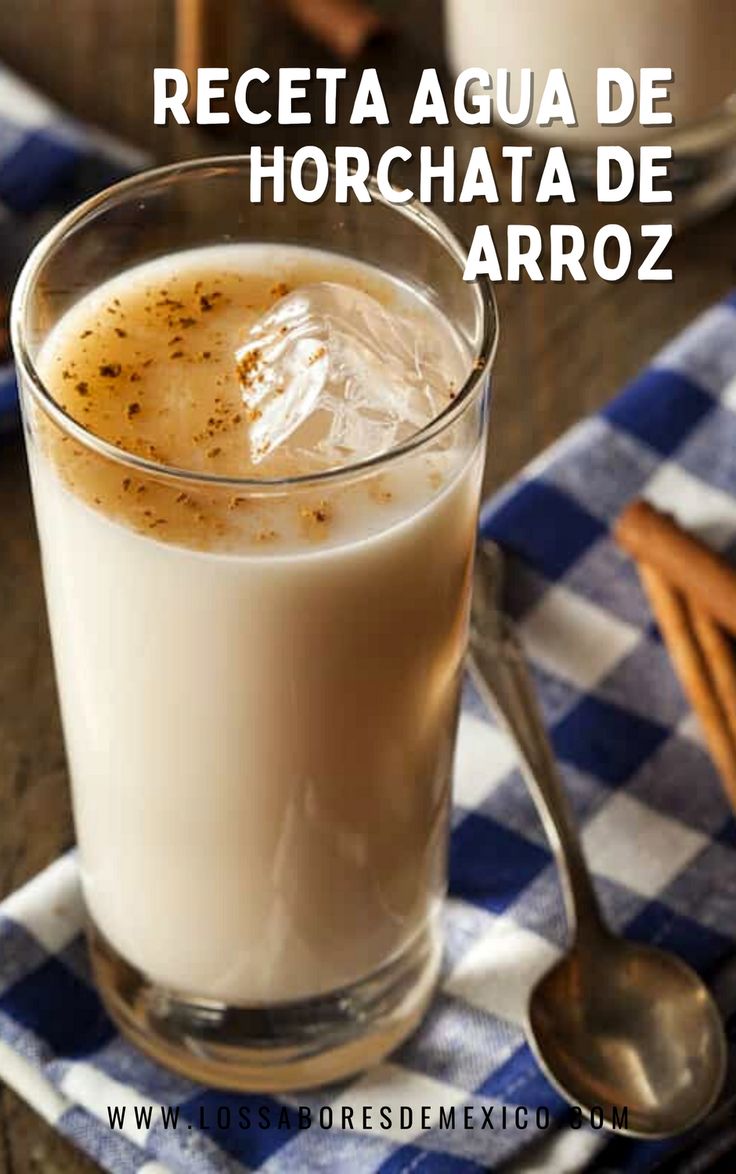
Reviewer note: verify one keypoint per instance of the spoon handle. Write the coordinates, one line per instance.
(499, 670)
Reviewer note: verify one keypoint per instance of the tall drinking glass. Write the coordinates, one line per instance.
(259, 731)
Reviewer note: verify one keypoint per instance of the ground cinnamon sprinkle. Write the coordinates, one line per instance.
(379, 493)
(191, 414)
(315, 519)
(248, 366)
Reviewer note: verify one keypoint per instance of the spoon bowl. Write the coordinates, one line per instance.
(629, 1027)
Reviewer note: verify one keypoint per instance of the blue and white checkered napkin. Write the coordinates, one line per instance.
(48, 163)
(656, 828)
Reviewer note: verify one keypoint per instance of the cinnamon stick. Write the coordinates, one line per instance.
(674, 619)
(718, 655)
(656, 538)
(346, 27)
(191, 17)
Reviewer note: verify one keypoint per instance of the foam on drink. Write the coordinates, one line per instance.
(148, 363)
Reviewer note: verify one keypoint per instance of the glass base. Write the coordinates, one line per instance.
(276, 1048)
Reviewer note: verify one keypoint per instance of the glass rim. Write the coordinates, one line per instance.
(413, 210)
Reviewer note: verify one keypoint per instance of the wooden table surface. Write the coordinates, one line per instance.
(564, 350)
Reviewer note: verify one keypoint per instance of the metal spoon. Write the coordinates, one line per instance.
(613, 1024)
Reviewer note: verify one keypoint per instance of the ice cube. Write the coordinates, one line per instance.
(339, 377)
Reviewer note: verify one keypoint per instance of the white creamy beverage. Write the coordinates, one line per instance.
(692, 37)
(259, 685)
